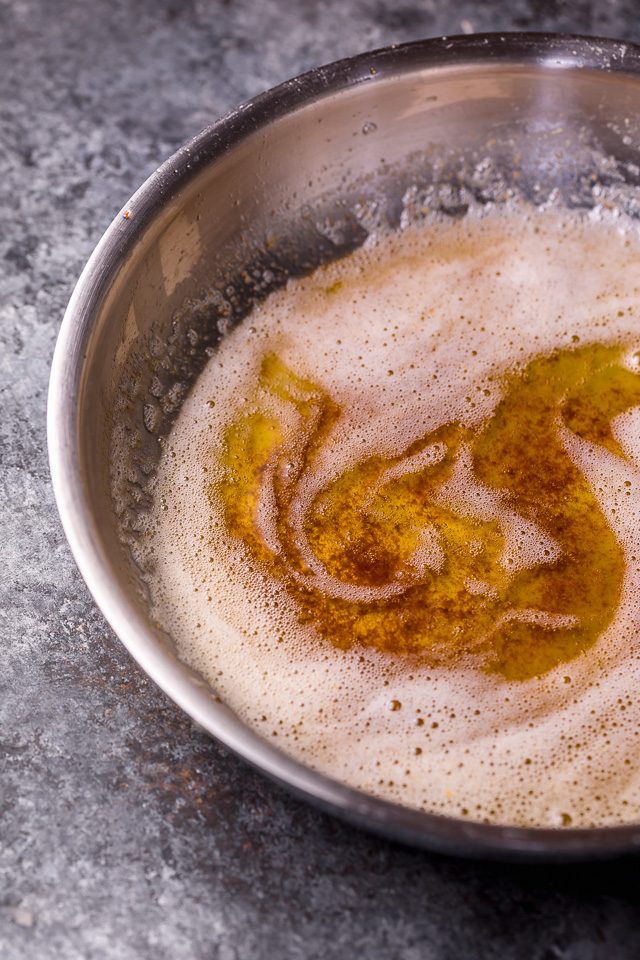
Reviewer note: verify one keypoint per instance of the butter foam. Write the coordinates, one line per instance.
(414, 331)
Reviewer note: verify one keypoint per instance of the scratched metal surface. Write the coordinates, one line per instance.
(125, 833)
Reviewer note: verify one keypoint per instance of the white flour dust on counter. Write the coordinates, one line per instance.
(396, 523)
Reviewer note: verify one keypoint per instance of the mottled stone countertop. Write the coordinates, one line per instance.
(124, 832)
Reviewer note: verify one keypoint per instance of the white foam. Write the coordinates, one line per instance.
(448, 308)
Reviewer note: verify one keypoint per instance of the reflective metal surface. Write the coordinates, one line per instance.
(296, 177)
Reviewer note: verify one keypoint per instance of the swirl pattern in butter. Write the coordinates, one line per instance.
(353, 559)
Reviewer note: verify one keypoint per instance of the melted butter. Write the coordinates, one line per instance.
(396, 525)
(364, 530)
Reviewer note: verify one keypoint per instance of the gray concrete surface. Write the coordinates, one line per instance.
(124, 833)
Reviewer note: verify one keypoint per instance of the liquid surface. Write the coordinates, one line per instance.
(396, 522)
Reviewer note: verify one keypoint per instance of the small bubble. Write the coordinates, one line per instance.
(369, 127)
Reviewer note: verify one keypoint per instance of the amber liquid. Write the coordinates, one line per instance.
(365, 529)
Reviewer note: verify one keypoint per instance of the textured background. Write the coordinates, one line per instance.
(124, 833)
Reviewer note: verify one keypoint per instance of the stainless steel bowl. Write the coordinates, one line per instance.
(295, 177)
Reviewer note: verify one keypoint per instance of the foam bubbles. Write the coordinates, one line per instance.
(415, 331)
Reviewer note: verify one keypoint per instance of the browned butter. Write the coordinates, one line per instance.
(396, 524)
